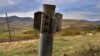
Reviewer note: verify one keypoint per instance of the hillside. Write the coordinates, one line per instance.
(22, 28)
(77, 23)
(19, 23)
(16, 23)
(98, 22)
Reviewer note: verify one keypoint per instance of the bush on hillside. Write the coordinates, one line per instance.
(98, 28)
(91, 50)
(69, 32)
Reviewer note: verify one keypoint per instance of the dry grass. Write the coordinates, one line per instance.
(62, 46)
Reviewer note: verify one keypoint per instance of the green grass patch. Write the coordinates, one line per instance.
(3, 35)
(19, 35)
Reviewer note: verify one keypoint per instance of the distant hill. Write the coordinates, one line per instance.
(76, 23)
(16, 23)
(19, 23)
(98, 22)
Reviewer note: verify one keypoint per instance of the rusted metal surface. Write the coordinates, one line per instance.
(37, 20)
(46, 41)
(47, 22)
(58, 21)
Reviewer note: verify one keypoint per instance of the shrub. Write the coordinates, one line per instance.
(98, 28)
(69, 32)
(92, 50)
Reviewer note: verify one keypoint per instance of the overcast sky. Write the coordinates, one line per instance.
(71, 9)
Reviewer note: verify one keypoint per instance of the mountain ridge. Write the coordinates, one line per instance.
(27, 22)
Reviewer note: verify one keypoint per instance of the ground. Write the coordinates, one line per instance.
(62, 46)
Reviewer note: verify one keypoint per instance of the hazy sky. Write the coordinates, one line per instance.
(71, 9)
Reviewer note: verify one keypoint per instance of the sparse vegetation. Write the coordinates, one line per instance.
(69, 32)
(68, 42)
(20, 35)
(70, 46)
(98, 28)
(89, 50)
